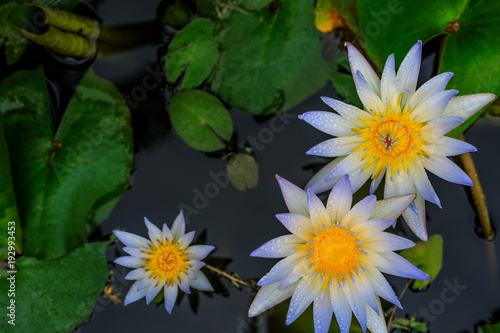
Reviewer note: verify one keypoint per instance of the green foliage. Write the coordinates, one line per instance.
(492, 328)
(470, 49)
(177, 15)
(55, 295)
(8, 206)
(270, 59)
(428, 256)
(407, 324)
(331, 14)
(201, 120)
(194, 49)
(65, 183)
(344, 86)
(243, 171)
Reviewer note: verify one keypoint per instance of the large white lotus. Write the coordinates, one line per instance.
(399, 134)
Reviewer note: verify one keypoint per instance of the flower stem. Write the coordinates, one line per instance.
(229, 276)
(477, 194)
(389, 321)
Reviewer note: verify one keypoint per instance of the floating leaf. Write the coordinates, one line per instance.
(492, 328)
(65, 183)
(271, 59)
(201, 120)
(344, 86)
(243, 171)
(407, 324)
(55, 295)
(334, 14)
(428, 256)
(470, 49)
(176, 14)
(194, 49)
(8, 206)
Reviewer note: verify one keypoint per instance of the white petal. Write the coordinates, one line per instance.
(146, 283)
(443, 167)
(439, 127)
(269, 296)
(392, 208)
(376, 182)
(380, 285)
(297, 224)
(179, 226)
(153, 291)
(201, 282)
(467, 105)
(360, 212)
(376, 322)
(363, 285)
(409, 69)
(297, 272)
(416, 220)
(341, 307)
(136, 274)
(154, 232)
(133, 294)
(349, 112)
(358, 63)
(322, 312)
(340, 200)
(196, 264)
(199, 251)
(370, 228)
(278, 247)
(317, 211)
(336, 147)
(370, 99)
(131, 240)
(135, 252)
(385, 242)
(359, 178)
(433, 107)
(328, 122)
(281, 270)
(186, 239)
(184, 283)
(130, 262)
(356, 302)
(394, 264)
(351, 163)
(302, 297)
(295, 197)
(318, 183)
(446, 146)
(167, 233)
(388, 86)
(170, 295)
(428, 89)
(423, 185)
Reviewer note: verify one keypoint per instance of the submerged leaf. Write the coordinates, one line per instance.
(193, 49)
(270, 59)
(67, 182)
(55, 295)
(201, 120)
(491, 328)
(243, 171)
(428, 256)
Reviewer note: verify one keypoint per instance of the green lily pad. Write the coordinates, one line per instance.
(193, 49)
(67, 182)
(270, 59)
(491, 328)
(470, 49)
(55, 295)
(428, 256)
(201, 120)
(243, 171)
(9, 217)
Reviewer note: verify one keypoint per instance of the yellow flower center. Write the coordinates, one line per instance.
(393, 140)
(335, 252)
(166, 262)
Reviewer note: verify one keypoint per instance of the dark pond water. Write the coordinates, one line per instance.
(170, 175)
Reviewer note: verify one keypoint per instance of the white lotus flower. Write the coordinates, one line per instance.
(334, 258)
(165, 262)
(399, 134)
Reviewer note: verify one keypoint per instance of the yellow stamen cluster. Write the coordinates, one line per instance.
(166, 262)
(334, 253)
(393, 139)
